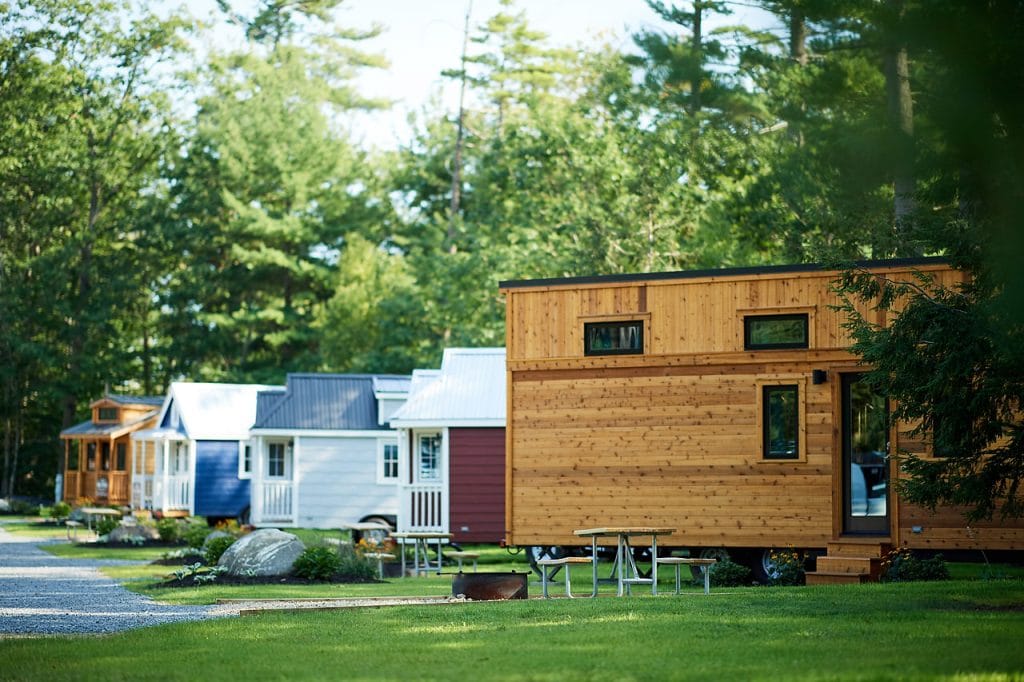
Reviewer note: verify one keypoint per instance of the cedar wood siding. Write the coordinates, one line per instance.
(671, 437)
(477, 470)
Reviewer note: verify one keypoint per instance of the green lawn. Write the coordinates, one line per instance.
(44, 529)
(944, 631)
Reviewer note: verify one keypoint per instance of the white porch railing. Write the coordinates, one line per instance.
(422, 509)
(275, 501)
(177, 493)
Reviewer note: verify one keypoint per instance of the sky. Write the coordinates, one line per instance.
(423, 37)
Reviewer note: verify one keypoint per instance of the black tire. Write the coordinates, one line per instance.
(720, 553)
(762, 566)
(535, 552)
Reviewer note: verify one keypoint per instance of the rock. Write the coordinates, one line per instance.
(123, 533)
(213, 536)
(5, 506)
(265, 552)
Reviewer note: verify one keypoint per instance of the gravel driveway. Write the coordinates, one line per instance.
(41, 594)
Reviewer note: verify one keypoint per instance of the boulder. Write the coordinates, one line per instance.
(5, 506)
(124, 533)
(266, 552)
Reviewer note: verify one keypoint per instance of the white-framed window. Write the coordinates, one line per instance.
(387, 462)
(279, 456)
(244, 459)
(428, 457)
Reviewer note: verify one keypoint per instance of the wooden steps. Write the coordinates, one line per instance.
(850, 561)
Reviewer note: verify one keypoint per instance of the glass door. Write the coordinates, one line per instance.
(865, 469)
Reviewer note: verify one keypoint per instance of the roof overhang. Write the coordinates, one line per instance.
(452, 423)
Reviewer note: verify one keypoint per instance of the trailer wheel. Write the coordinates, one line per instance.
(719, 553)
(764, 567)
(535, 552)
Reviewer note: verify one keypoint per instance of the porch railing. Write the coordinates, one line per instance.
(422, 509)
(276, 501)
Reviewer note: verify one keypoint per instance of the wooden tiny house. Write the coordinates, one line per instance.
(97, 463)
(723, 403)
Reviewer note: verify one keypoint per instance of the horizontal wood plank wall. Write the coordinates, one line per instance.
(676, 450)
(670, 438)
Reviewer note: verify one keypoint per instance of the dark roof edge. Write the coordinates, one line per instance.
(716, 272)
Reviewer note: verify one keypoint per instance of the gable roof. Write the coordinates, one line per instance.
(468, 390)
(90, 428)
(154, 401)
(213, 411)
(328, 402)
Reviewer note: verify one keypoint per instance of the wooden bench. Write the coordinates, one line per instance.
(380, 557)
(461, 556)
(553, 565)
(72, 528)
(677, 562)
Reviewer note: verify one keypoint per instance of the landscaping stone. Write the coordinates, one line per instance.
(5, 506)
(266, 552)
(125, 533)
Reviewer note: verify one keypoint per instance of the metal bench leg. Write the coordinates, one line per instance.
(678, 580)
(544, 581)
(707, 579)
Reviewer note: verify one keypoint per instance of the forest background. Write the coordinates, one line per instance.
(250, 235)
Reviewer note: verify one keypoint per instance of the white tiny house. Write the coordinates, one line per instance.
(321, 454)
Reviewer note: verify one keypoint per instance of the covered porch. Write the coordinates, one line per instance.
(162, 468)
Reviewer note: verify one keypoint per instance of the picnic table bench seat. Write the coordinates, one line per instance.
(678, 561)
(461, 556)
(548, 567)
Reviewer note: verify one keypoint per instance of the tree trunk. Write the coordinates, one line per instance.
(697, 44)
(459, 133)
(901, 116)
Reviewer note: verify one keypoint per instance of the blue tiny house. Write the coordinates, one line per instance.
(322, 455)
(193, 463)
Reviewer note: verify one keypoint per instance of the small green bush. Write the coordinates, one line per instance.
(169, 530)
(354, 568)
(216, 547)
(196, 532)
(902, 566)
(106, 525)
(317, 563)
(727, 573)
(61, 510)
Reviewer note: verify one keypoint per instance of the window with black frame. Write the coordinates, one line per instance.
(613, 338)
(771, 332)
(781, 422)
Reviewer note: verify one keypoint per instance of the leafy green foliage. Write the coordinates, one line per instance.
(215, 548)
(106, 524)
(195, 533)
(317, 563)
(727, 573)
(169, 530)
(788, 567)
(902, 565)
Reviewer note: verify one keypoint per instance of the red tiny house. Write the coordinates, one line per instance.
(477, 471)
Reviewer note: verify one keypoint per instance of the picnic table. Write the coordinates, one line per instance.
(626, 572)
(420, 546)
(93, 512)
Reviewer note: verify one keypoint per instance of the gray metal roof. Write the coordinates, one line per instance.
(332, 402)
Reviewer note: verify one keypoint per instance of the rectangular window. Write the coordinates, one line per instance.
(430, 457)
(122, 456)
(613, 338)
(244, 459)
(90, 456)
(73, 455)
(389, 462)
(767, 332)
(107, 414)
(105, 456)
(275, 460)
(781, 423)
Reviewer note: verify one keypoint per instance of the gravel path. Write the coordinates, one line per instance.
(41, 594)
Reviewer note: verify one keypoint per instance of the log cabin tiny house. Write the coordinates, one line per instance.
(96, 452)
(723, 403)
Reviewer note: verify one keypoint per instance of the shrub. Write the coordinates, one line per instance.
(727, 573)
(216, 547)
(169, 530)
(107, 524)
(354, 568)
(61, 510)
(901, 566)
(317, 563)
(196, 532)
(789, 567)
